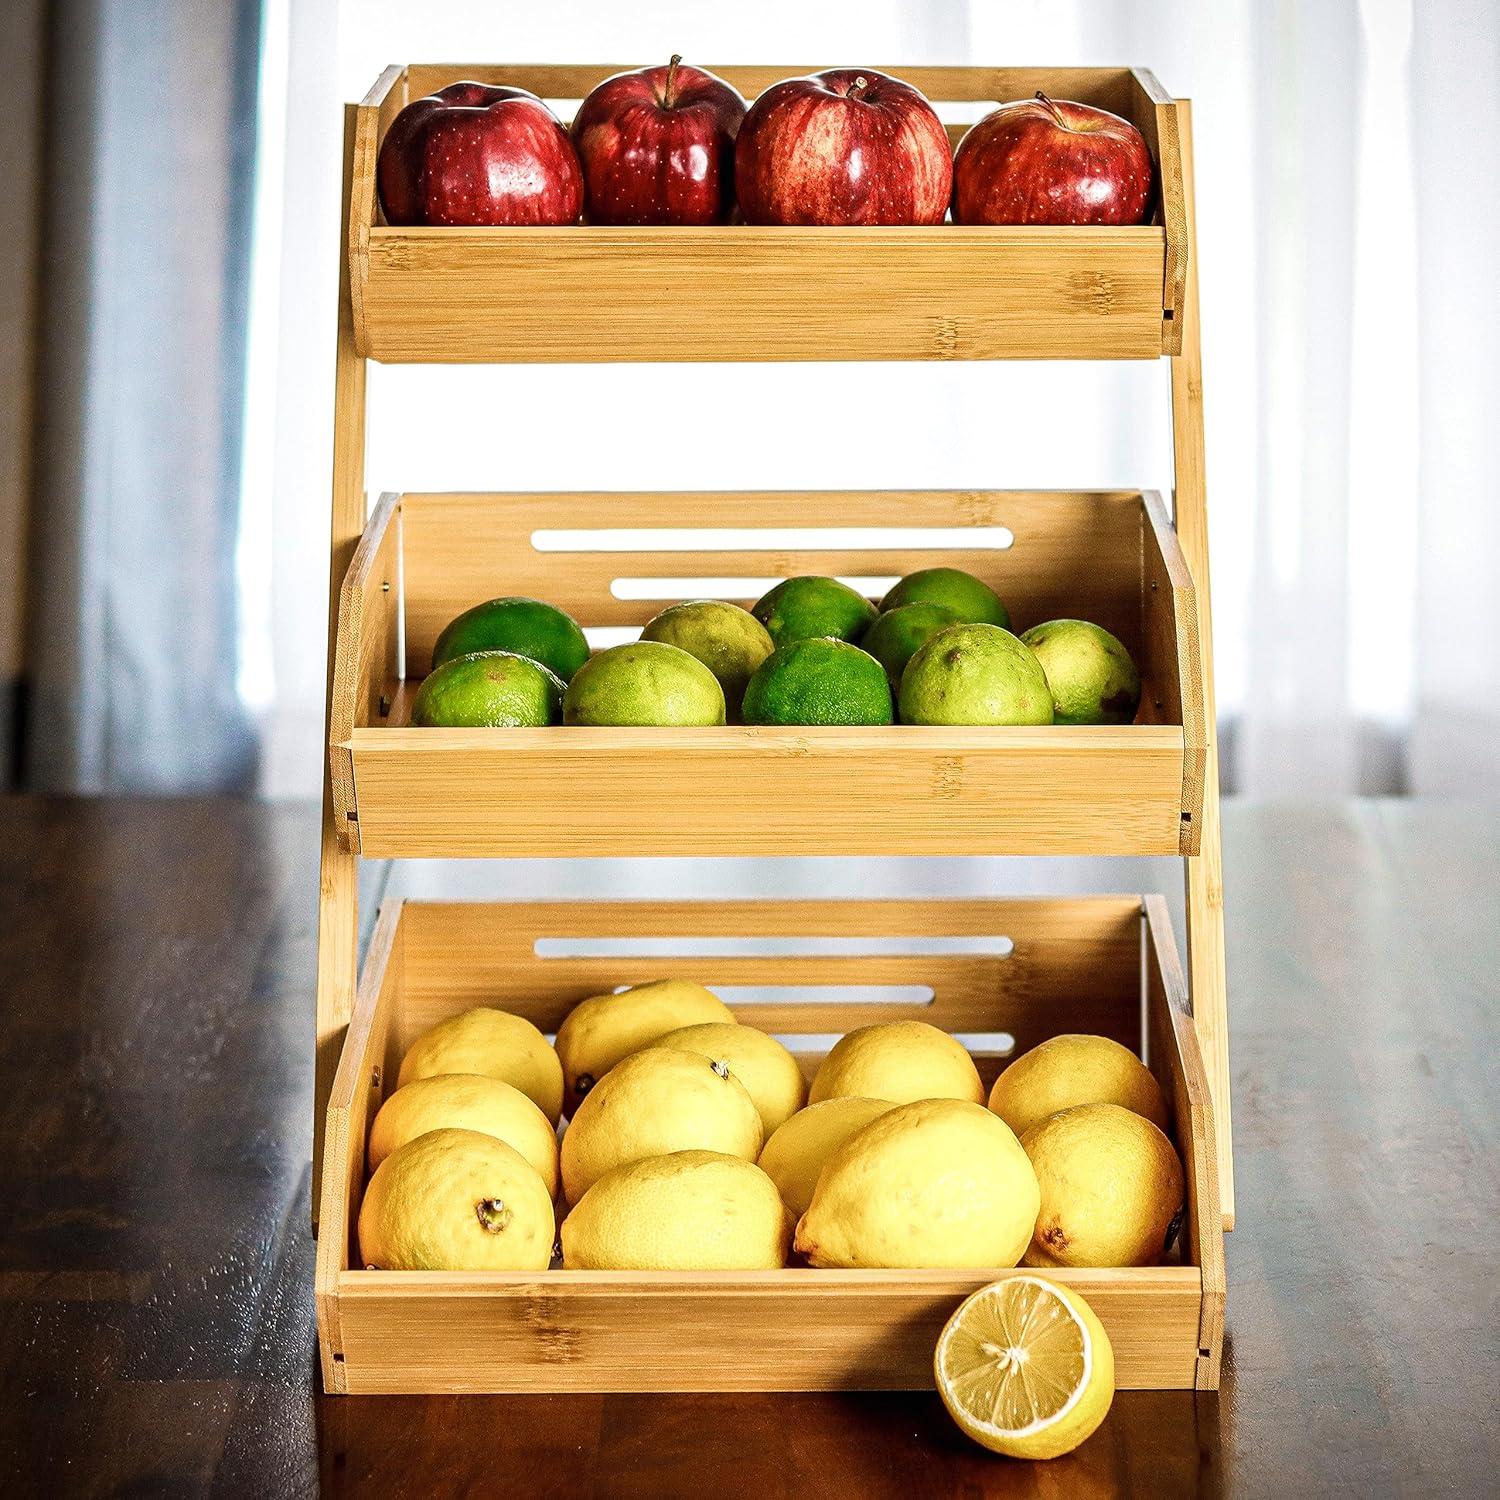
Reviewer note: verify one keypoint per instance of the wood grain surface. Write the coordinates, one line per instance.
(742, 292)
(1109, 557)
(856, 1330)
(1204, 873)
(156, 1317)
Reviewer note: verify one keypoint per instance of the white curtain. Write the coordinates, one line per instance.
(145, 250)
(1347, 220)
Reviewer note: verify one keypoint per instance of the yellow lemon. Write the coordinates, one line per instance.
(466, 1101)
(1111, 1188)
(687, 1211)
(768, 1071)
(599, 1032)
(496, 1044)
(899, 1061)
(940, 1182)
(794, 1155)
(1068, 1070)
(456, 1200)
(653, 1103)
(1025, 1368)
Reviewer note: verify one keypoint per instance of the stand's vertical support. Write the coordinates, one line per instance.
(1205, 887)
(338, 888)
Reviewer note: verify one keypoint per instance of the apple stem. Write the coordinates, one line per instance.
(669, 95)
(1053, 110)
(861, 83)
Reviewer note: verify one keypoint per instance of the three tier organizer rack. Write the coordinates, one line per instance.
(402, 569)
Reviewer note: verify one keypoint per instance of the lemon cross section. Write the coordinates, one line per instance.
(1025, 1368)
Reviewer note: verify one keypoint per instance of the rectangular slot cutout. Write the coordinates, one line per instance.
(979, 1043)
(772, 947)
(872, 586)
(986, 1043)
(823, 994)
(818, 994)
(774, 539)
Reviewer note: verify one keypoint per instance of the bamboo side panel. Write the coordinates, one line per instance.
(1172, 659)
(358, 1087)
(603, 1331)
(737, 292)
(570, 791)
(364, 655)
(613, 294)
(1204, 879)
(856, 1331)
(338, 881)
(1177, 1061)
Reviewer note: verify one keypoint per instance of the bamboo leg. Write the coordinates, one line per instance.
(1205, 889)
(338, 887)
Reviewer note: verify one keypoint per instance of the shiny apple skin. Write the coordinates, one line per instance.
(478, 154)
(650, 157)
(824, 150)
(1022, 164)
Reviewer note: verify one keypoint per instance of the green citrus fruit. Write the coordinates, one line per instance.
(728, 640)
(975, 674)
(525, 626)
(488, 690)
(1091, 675)
(645, 682)
(801, 609)
(818, 681)
(971, 599)
(895, 636)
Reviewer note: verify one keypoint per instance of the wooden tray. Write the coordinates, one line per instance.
(738, 292)
(1109, 557)
(1073, 965)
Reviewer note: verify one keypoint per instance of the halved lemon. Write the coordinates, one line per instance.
(1025, 1368)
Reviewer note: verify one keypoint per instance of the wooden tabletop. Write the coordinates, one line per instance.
(156, 1323)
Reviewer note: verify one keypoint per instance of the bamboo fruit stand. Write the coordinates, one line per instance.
(402, 567)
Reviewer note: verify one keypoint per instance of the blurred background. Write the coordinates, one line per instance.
(168, 266)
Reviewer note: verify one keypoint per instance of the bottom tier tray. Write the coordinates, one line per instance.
(1003, 974)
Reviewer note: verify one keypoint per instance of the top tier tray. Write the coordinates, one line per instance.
(738, 292)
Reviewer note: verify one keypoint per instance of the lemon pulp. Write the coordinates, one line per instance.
(1025, 1368)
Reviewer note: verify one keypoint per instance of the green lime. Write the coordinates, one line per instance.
(728, 640)
(970, 598)
(975, 674)
(644, 682)
(895, 636)
(488, 690)
(801, 609)
(1091, 675)
(818, 681)
(527, 627)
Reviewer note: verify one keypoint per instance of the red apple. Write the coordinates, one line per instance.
(657, 147)
(476, 153)
(849, 146)
(1048, 161)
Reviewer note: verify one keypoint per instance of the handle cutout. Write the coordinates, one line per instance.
(977, 1043)
(871, 585)
(774, 539)
(823, 994)
(772, 947)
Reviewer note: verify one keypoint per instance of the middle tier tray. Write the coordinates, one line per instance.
(614, 560)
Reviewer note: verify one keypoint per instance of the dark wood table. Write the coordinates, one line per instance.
(156, 1324)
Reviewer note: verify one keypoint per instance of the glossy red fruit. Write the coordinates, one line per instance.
(849, 146)
(478, 153)
(1049, 161)
(657, 147)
